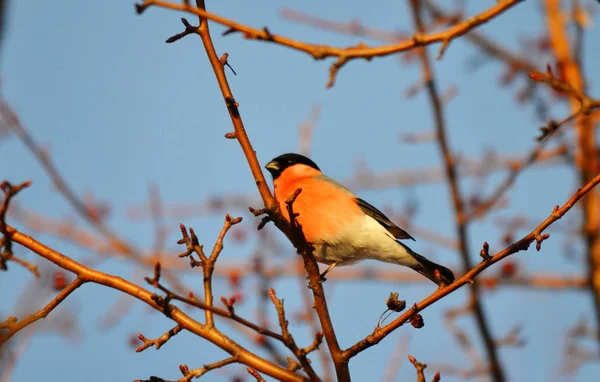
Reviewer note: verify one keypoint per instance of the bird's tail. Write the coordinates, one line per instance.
(428, 268)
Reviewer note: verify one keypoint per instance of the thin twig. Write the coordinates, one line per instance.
(12, 326)
(289, 341)
(188, 374)
(209, 266)
(7, 254)
(157, 342)
(255, 374)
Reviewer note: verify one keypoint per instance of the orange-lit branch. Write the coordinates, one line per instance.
(587, 147)
(12, 326)
(343, 55)
(85, 274)
(469, 277)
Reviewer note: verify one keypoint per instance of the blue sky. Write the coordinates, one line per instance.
(120, 110)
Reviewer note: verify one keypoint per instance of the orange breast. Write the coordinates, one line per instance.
(324, 208)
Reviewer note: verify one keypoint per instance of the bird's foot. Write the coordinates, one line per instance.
(322, 278)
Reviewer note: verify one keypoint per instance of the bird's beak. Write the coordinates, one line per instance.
(272, 166)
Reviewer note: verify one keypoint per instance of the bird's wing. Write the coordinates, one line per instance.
(373, 212)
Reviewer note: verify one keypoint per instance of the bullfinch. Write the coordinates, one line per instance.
(343, 228)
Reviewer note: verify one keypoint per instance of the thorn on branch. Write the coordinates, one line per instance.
(189, 29)
(263, 223)
(140, 8)
(229, 31)
(264, 220)
(485, 252)
(266, 34)
(224, 62)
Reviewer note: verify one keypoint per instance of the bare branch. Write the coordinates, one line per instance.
(343, 55)
(158, 342)
(12, 326)
(468, 277)
(86, 274)
(188, 374)
(7, 254)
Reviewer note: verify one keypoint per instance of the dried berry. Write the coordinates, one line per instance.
(417, 321)
(394, 304)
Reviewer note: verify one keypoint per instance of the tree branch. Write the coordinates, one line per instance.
(86, 274)
(457, 199)
(12, 326)
(468, 278)
(586, 154)
(315, 284)
(343, 55)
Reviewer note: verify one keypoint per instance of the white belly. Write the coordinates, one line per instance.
(365, 239)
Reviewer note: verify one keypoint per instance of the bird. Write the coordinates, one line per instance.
(343, 228)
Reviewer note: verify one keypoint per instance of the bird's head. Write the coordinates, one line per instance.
(281, 163)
